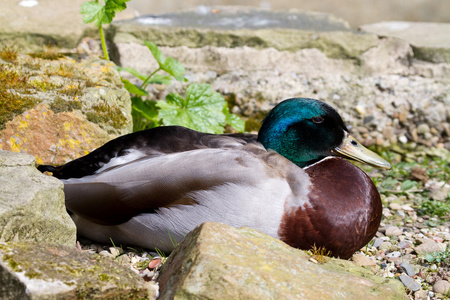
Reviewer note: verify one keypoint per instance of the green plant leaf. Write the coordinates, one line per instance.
(408, 184)
(201, 110)
(174, 68)
(157, 54)
(147, 109)
(92, 12)
(429, 257)
(161, 79)
(100, 14)
(233, 120)
(169, 65)
(134, 89)
(133, 72)
(156, 78)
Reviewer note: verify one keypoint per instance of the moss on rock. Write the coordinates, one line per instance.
(79, 274)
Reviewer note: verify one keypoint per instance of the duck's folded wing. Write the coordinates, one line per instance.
(146, 143)
(117, 195)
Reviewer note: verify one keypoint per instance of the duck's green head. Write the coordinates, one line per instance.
(307, 130)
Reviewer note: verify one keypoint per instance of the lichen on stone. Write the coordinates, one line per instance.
(90, 275)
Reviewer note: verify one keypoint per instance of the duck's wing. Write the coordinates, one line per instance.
(145, 144)
(146, 185)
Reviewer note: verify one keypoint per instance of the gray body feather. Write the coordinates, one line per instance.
(151, 200)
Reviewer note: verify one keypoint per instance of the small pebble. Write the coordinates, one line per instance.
(410, 283)
(377, 242)
(401, 213)
(383, 265)
(124, 259)
(395, 206)
(429, 247)
(423, 128)
(406, 207)
(404, 244)
(105, 253)
(421, 295)
(115, 251)
(385, 246)
(441, 287)
(393, 231)
(407, 268)
(154, 263)
(403, 139)
(393, 254)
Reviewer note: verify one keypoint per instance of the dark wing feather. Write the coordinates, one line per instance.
(151, 142)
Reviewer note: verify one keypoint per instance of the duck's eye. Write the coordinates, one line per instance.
(317, 120)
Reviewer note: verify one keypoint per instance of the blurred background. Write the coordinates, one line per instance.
(356, 12)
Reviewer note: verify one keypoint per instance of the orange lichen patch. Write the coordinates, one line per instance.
(52, 138)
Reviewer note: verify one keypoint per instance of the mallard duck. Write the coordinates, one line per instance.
(152, 187)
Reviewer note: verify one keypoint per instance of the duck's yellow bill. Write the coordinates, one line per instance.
(351, 148)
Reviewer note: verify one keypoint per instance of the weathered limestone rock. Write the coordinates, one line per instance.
(356, 12)
(383, 93)
(31, 204)
(430, 41)
(60, 109)
(260, 29)
(216, 261)
(40, 271)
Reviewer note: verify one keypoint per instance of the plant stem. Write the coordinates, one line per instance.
(102, 38)
(145, 83)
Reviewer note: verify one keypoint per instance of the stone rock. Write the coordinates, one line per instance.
(439, 190)
(408, 269)
(377, 242)
(429, 247)
(410, 283)
(394, 206)
(75, 107)
(391, 53)
(429, 40)
(421, 295)
(335, 40)
(246, 17)
(386, 246)
(216, 261)
(423, 128)
(393, 231)
(350, 10)
(40, 271)
(31, 203)
(442, 287)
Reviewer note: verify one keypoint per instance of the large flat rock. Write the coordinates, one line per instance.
(233, 27)
(216, 261)
(356, 12)
(238, 17)
(430, 41)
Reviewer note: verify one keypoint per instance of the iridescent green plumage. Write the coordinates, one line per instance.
(302, 130)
